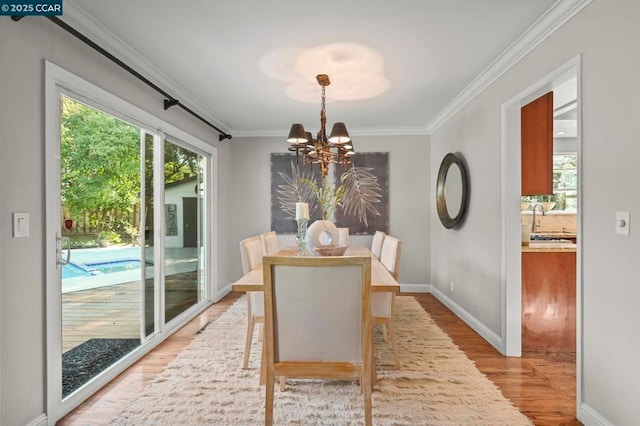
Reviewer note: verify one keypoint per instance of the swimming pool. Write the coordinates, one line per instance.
(75, 270)
(100, 267)
(71, 270)
(113, 265)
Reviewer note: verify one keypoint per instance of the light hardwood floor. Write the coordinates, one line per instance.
(541, 385)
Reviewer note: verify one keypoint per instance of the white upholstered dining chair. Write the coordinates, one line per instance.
(318, 322)
(376, 243)
(269, 243)
(383, 304)
(251, 254)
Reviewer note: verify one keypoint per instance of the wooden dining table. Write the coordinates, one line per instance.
(381, 281)
(381, 278)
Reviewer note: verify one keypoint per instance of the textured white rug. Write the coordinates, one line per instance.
(437, 385)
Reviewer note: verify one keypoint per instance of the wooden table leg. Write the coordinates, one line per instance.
(374, 375)
(263, 362)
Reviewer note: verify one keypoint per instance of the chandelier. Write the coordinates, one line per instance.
(337, 148)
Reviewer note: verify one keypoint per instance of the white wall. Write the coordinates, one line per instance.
(409, 194)
(23, 47)
(605, 33)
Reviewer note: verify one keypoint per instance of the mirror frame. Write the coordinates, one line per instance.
(441, 202)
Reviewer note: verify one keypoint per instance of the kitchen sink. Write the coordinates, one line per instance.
(535, 237)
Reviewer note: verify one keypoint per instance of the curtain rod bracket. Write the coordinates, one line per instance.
(168, 103)
(224, 136)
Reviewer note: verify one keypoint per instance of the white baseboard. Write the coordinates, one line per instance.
(41, 420)
(222, 293)
(415, 288)
(588, 416)
(492, 338)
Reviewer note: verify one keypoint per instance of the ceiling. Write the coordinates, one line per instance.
(565, 107)
(249, 66)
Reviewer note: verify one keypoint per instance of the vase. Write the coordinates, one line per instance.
(301, 237)
(321, 233)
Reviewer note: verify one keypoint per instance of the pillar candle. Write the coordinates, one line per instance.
(302, 211)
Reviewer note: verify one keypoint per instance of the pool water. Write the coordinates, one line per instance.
(113, 266)
(88, 269)
(101, 267)
(71, 270)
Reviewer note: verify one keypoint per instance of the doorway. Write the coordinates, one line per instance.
(102, 269)
(190, 221)
(512, 232)
(109, 264)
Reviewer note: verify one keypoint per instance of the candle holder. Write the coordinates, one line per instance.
(301, 238)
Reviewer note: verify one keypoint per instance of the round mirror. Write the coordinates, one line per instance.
(452, 190)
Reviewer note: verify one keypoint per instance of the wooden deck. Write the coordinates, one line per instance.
(106, 312)
(114, 311)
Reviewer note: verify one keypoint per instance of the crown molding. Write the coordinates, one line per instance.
(75, 16)
(388, 131)
(561, 12)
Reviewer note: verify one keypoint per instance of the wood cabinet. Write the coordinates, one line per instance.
(536, 121)
(549, 301)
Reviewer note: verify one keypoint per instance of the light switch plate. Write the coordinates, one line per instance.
(20, 225)
(622, 223)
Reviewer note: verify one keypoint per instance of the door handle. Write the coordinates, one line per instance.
(59, 259)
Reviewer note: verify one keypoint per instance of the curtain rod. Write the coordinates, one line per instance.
(168, 102)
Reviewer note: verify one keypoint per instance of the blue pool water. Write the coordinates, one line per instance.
(101, 267)
(113, 266)
(94, 262)
(73, 270)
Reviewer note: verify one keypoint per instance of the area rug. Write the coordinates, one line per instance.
(437, 384)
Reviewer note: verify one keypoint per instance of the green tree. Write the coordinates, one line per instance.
(100, 163)
(179, 163)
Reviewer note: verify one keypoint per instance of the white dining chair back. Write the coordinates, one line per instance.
(343, 236)
(390, 255)
(269, 243)
(250, 253)
(376, 243)
(251, 250)
(318, 321)
(383, 304)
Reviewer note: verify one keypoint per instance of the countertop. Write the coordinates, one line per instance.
(549, 246)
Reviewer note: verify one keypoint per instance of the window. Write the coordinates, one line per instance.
(565, 181)
(565, 186)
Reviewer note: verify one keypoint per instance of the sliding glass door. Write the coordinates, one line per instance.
(184, 277)
(103, 263)
(128, 236)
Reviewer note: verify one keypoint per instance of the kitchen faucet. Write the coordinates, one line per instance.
(533, 222)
